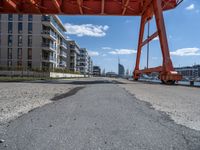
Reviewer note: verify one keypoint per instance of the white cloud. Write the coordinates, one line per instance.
(106, 48)
(122, 51)
(190, 7)
(86, 30)
(186, 52)
(156, 38)
(93, 53)
(104, 55)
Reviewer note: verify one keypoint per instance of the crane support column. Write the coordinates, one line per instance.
(167, 74)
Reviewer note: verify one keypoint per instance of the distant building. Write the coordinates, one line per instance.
(189, 71)
(73, 53)
(90, 66)
(96, 71)
(111, 74)
(83, 61)
(121, 70)
(32, 41)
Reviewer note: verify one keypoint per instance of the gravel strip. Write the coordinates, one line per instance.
(181, 103)
(19, 98)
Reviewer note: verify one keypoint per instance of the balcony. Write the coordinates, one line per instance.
(62, 63)
(50, 21)
(48, 34)
(49, 46)
(63, 45)
(63, 54)
(49, 59)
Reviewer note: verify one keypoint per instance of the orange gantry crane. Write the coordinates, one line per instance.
(144, 8)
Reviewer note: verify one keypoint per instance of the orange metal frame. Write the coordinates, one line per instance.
(144, 8)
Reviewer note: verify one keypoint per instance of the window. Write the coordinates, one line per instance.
(29, 64)
(30, 17)
(9, 40)
(30, 27)
(29, 53)
(9, 53)
(20, 17)
(19, 40)
(19, 63)
(20, 27)
(9, 63)
(10, 27)
(19, 53)
(29, 40)
(10, 17)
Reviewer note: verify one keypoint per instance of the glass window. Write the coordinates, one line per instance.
(29, 40)
(29, 53)
(10, 17)
(9, 63)
(30, 27)
(19, 63)
(30, 17)
(19, 40)
(10, 27)
(19, 53)
(9, 40)
(9, 53)
(29, 64)
(20, 27)
(20, 17)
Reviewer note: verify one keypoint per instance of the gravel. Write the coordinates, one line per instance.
(181, 103)
(19, 98)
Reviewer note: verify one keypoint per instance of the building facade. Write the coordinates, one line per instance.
(73, 59)
(190, 72)
(32, 41)
(84, 65)
(96, 71)
(121, 70)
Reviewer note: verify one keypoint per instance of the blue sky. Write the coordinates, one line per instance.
(108, 38)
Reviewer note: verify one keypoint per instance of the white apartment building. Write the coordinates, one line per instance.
(73, 59)
(32, 41)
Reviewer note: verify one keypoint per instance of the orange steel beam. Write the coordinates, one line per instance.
(80, 6)
(102, 6)
(125, 7)
(10, 4)
(83, 7)
(57, 5)
(151, 37)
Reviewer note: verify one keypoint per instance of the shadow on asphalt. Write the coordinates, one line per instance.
(70, 93)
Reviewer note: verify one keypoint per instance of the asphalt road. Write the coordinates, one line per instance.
(100, 116)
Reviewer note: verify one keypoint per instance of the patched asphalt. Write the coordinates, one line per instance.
(98, 116)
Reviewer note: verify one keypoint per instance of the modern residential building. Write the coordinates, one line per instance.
(84, 64)
(73, 59)
(96, 71)
(32, 41)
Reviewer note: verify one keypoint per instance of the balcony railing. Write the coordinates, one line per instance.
(49, 45)
(49, 32)
(50, 59)
(62, 53)
(55, 24)
(63, 44)
(62, 63)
